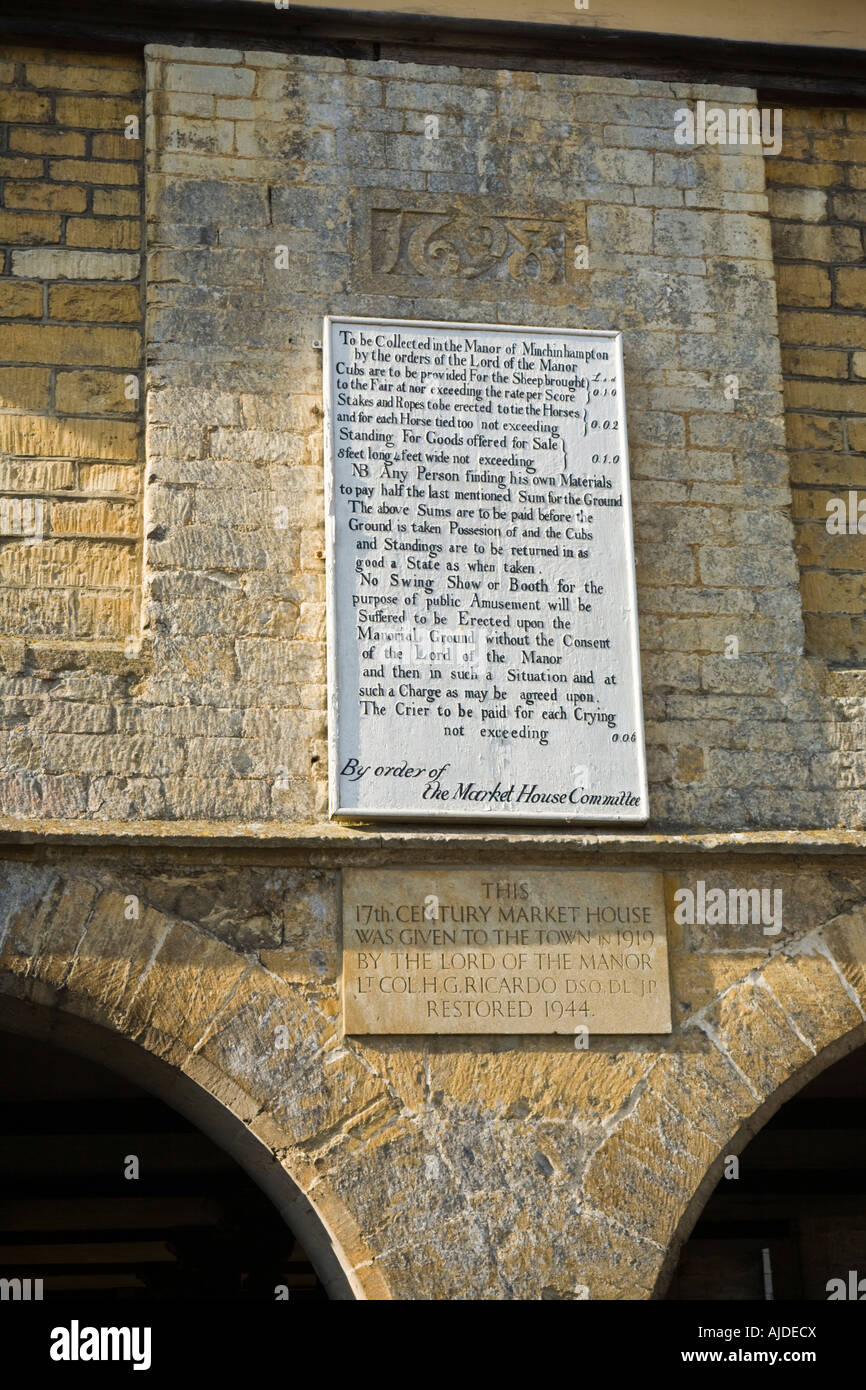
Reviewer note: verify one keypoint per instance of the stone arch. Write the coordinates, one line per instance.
(736, 1061)
(191, 1020)
(636, 1132)
(844, 1045)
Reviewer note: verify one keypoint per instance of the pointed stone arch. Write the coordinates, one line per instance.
(193, 1021)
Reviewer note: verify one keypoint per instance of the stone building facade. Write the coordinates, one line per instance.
(176, 221)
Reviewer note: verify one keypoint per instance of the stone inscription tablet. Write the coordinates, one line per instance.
(504, 951)
(482, 637)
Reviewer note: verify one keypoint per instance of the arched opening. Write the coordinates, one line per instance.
(791, 1215)
(108, 1193)
(212, 1203)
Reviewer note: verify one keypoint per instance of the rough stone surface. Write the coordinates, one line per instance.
(71, 296)
(818, 228)
(340, 171)
(450, 1168)
(200, 920)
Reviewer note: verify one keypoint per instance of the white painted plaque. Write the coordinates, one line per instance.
(482, 626)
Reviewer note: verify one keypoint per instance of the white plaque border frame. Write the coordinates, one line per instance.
(353, 814)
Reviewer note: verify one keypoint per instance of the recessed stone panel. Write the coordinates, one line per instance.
(444, 950)
(439, 245)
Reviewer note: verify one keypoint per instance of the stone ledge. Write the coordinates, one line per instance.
(43, 657)
(539, 842)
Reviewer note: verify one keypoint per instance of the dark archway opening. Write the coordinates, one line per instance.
(800, 1196)
(191, 1225)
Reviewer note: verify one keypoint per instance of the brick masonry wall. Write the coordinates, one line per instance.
(225, 715)
(71, 310)
(817, 191)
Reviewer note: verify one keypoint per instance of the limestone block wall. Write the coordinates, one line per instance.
(282, 187)
(817, 191)
(71, 321)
